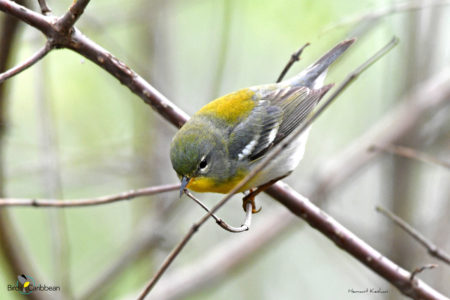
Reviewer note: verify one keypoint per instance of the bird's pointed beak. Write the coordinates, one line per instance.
(184, 182)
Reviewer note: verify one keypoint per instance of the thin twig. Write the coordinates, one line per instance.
(222, 223)
(410, 153)
(69, 19)
(421, 269)
(433, 250)
(269, 157)
(45, 10)
(90, 201)
(27, 63)
(294, 57)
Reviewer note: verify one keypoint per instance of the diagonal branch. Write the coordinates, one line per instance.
(352, 244)
(26, 63)
(28, 16)
(433, 250)
(90, 201)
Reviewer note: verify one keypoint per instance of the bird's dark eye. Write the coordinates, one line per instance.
(203, 164)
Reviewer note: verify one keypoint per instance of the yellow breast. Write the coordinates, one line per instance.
(209, 185)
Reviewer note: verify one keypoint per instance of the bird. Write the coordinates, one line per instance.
(223, 141)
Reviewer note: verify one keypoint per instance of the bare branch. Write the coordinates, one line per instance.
(71, 16)
(294, 57)
(410, 153)
(352, 244)
(27, 63)
(222, 223)
(433, 250)
(45, 10)
(90, 201)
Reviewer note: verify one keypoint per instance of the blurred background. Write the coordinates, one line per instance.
(70, 130)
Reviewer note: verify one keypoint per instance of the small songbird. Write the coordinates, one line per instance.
(227, 137)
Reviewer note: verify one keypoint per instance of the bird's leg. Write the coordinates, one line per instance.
(250, 197)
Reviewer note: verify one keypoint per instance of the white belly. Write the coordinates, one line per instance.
(284, 163)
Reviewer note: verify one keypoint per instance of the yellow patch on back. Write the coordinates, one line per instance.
(207, 185)
(231, 107)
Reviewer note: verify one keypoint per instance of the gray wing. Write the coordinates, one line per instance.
(279, 112)
(257, 133)
(297, 106)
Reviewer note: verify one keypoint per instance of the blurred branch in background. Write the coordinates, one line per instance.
(362, 22)
(89, 201)
(433, 250)
(410, 153)
(221, 260)
(51, 181)
(224, 45)
(11, 246)
(422, 100)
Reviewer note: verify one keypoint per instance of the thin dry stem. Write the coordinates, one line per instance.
(222, 223)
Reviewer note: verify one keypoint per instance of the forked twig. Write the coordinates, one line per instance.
(269, 156)
(222, 223)
(433, 250)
